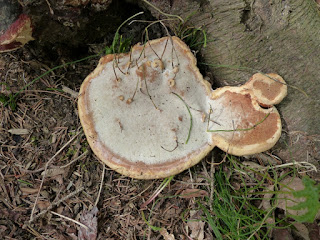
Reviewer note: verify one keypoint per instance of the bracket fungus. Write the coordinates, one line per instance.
(150, 114)
(16, 35)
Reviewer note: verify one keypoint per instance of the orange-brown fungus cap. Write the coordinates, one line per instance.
(146, 113)
(268, 89)
(244, 120)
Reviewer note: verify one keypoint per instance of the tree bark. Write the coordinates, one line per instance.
(269, 36)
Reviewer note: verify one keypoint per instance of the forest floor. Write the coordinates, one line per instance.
(50, 180)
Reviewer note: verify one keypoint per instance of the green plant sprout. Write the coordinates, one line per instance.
(193, 36)
(233, 215)
(162, 186)
(237, 129)
(154, 228)
(25, 182)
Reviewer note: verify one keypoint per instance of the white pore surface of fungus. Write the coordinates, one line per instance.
(153, 126)
(150, 114)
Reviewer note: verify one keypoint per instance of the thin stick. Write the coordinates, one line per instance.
(308, 166)
(76, 159)
(114, 71)
(49, 5)
(137, 84)
(130, 61)
(45, 172)
(188, 108)
(101, 184)
(58, 202)
(145, 81)
(70, 219)
(139, 194)
(165, 14)
(173, 148)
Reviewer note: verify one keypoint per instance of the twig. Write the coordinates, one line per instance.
(165, 14)
(177, 144)
(45, 172)
(70, 219)
(76, 159)
(58, 202)
(70, 91)
(188, 108)
(49, 5)
(309, 166)
(101, 184)
(145, 81)
(139, 194)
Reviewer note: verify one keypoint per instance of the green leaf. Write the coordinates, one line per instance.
(311, 193)
(108, 50)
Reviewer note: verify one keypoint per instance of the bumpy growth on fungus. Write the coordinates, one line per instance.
(150, 114)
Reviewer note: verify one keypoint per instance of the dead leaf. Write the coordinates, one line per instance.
(59, 179)
(270, 223)
(42, 205)
(54, 172)
(196, 225)
(314, 231)
(18, 131)
(282, 234)
(166, 235)
(197, 229)
(301, 230)
(27, 191)
(190, 193)
(91, 221)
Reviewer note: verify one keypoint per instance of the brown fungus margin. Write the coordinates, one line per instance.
(138, 127)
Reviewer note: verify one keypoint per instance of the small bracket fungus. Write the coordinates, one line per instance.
(16, 35)
(174, 118)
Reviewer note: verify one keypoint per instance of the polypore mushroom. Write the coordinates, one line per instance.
(150, 114)
(14, 32)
